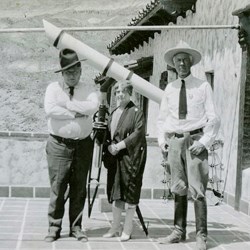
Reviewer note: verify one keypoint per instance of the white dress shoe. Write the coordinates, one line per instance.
(112, 232)
(125, 237)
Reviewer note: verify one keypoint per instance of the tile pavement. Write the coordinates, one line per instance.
(23, 225)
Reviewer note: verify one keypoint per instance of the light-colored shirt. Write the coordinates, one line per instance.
(61, 111)
(200, 111)
(115, 119)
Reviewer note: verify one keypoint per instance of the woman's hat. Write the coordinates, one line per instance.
(182, 47)
(68, 58)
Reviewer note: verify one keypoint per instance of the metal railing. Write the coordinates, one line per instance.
(138, 28)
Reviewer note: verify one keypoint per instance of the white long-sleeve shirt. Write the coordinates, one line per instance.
(200, 111)
(60, 110)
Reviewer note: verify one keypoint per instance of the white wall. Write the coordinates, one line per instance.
(221, 54)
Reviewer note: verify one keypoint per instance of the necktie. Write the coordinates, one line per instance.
(71, 92)
(182, 101)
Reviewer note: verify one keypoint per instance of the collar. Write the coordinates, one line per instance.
(186, 79)
(65, 86)
(129, 105)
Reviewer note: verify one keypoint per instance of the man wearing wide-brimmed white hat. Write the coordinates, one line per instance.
(187, 126)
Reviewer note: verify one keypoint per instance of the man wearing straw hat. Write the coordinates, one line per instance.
(187, 126)
(69, 148)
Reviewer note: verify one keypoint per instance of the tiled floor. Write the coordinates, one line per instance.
(23, 225)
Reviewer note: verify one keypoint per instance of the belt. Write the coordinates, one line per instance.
(66, 140)
(193, 132)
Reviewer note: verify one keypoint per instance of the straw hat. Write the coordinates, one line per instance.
(182, 47)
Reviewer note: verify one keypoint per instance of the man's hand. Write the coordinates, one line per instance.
(77, 115)
(196, 148)
(164, 150)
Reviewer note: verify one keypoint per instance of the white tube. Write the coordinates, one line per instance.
(101, 62)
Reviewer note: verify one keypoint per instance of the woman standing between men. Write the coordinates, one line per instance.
(125, 160)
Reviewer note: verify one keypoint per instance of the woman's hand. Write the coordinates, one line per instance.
(113, 149)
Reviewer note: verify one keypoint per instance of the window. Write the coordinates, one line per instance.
(210, 78)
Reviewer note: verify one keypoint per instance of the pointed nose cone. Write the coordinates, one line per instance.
(51, 30)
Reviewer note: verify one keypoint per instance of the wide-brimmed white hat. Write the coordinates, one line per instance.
(182, 47)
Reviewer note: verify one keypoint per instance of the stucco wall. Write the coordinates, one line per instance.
(222, 55)
(23, 163)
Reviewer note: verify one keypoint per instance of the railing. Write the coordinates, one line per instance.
(20, 135)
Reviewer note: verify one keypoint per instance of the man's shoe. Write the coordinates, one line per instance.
(201, 243)
(52, 236)
(174, 237)
(78, 234)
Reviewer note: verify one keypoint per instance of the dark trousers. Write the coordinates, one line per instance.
(68, 165)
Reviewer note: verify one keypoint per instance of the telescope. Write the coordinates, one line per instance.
(104, 64)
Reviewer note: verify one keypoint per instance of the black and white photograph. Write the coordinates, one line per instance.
(125, 124)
